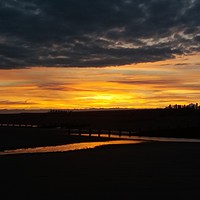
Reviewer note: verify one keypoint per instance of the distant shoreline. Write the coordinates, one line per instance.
(53, 127)
(21, 111)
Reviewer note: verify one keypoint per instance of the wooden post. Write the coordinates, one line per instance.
(90, 132)
(120, 133)
(129, 133)
(109, 133)
(99, 133)
(80, 132)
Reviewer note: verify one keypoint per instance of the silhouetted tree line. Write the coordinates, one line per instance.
(59, 111)
(189, 106)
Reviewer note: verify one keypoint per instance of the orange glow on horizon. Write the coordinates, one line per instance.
(144, 85)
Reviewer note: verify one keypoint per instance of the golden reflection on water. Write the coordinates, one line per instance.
(89, 145)
(68, 147)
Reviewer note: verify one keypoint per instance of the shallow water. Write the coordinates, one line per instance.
(144, 138)
(89, 145)
(161, 139)
(67, 147)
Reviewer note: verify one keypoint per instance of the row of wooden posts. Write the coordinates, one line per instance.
(19, 125)
(100, 132)
(78, 131)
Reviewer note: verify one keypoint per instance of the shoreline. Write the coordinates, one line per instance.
(18, 137)
(142, 121)
(67, 147)
(108, 172)
(149, 169)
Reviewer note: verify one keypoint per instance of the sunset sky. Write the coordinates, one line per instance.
(69, 54)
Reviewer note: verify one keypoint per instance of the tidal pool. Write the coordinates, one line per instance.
(67, 147)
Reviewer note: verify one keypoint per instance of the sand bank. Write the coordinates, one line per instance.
(163, 169)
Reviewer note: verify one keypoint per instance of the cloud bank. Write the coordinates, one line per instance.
(87, 33)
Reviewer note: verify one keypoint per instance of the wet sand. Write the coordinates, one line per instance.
(152, 169)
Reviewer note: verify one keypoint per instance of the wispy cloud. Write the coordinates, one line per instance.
(8, 102)
(147, 82)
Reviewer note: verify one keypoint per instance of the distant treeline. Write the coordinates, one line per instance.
(59, 111)
(189, 106)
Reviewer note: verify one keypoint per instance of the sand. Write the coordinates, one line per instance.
(145, 170)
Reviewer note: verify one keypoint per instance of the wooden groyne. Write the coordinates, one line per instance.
(188, 132)
(19, 125)
(100, 132)
(158, 131)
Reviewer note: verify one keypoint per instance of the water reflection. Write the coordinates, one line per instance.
(142, 138)
(67, 147)
(87, 145)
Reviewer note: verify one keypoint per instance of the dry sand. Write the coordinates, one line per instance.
(146, 170)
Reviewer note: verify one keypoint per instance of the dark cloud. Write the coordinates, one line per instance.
(148, 82)
(181, 64)
(98, 33)
(159, 85)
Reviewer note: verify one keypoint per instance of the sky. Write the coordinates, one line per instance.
(80, 54)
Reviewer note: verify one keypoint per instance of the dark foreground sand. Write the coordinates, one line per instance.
(146, 170)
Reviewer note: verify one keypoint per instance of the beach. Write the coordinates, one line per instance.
(150, 169)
